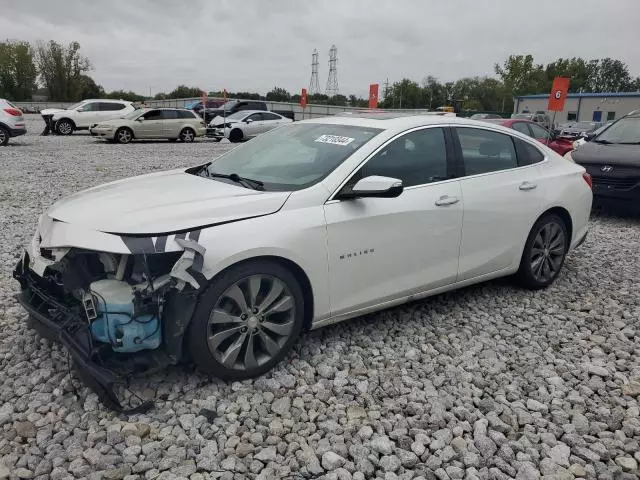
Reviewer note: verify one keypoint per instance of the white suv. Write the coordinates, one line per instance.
(84, 114)
(11, 121)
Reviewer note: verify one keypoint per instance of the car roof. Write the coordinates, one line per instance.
(106, 100)
(396, 121)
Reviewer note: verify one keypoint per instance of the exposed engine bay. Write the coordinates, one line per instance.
(119, 315)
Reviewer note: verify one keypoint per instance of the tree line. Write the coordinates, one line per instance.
(62, 73)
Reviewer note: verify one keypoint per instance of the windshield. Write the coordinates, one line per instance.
(76, 105)
(237, 116)
(135, 114)
(229, 105)
(625, 130)
(295, 156)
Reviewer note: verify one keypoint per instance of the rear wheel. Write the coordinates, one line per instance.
(544, 253)
(187, 135)
(247, 321)
(235, 135)
(124, 135)
(4, 136)
(65, 127)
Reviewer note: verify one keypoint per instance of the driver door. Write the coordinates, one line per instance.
(253, 125)
(381, 249)
(87, 115)
(151, 126)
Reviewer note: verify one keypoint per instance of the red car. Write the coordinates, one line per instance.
(532, 129)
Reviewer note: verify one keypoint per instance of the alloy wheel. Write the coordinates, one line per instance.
(547, 252)
(124, 136)
(65, 128)
(251, 322)
(187, 136)
(3, 136)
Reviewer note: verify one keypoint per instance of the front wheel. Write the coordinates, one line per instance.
(235, 136)
(124, 135)
(544, 253)
(187, 135)
(64, 127)
(246, 321)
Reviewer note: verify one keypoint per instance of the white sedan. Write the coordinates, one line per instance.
(310, 224)
(244, 125)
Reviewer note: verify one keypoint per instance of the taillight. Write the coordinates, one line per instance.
(13, 112)
(587, 178)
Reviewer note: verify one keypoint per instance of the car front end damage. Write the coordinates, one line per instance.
(119, 315)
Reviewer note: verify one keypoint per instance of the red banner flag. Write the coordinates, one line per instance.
(558, 94)
(373, 95)
(303, 98)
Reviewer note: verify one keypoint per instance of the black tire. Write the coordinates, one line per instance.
(187, 135)
(4, 136)
(65, 127)
(200, 330)
(123, 135)
(235, 136)
(552, 254)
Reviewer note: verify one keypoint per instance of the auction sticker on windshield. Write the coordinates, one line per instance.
(335, 139)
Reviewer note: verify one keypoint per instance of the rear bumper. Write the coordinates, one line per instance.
(66, 324)
(16, 132)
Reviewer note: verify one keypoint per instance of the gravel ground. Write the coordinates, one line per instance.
(490, 382)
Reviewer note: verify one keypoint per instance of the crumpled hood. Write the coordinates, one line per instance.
(51, 111)
(163, 202)
(219, 120)
(614, 154)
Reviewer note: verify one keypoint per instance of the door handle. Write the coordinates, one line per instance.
(445, 200)
(527, 186)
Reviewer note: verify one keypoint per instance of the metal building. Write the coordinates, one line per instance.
(597, 107)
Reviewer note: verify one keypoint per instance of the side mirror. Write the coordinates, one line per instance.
(249, 120)
(589, 136)
(374, 186)
(139, 119)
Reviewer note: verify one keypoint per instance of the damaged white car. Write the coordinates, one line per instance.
(225, 264)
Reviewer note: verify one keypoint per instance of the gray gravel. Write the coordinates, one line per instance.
(490, 382)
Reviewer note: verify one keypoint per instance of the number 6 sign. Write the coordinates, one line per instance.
(558, 94)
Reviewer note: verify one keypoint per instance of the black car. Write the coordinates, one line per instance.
(613, 159)
(577, 129)
(232, 106)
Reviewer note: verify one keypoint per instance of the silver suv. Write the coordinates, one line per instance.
(11, 121)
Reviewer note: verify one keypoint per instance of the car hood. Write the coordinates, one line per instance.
(51, 111)
(163, 202)
(614, 154)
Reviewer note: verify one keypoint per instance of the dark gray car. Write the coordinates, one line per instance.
(612, 158)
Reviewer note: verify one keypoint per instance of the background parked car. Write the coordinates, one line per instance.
(613, 159)
(212, 104)
(541, 119)
(152, 123)
(575, 129)
(84, 114)
(11, 121)
(485, 116)
(244, 125)
(532, 129)
(233, 106)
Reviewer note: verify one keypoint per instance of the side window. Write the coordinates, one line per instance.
(485, 151)
(243, 106)
(522, 128)
(538, 132)
(416, 158)
(527, 153)
(270, 116)
(153, 115)
(89, 107)
(111, 106)
(256, 117)
(185, 114)
(168, 114)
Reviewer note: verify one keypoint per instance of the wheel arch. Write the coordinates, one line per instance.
(297, 271)
(564, 214)
(124, 127)
(56, 122)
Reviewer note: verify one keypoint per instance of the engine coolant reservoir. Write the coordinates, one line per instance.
(115, 323)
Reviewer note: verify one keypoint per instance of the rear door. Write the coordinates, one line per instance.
(171, 123)
(271, 120)
(502, 192)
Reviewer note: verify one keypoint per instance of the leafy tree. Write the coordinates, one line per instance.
(338, 100)
(611, 76)
(160, 96)
(122, 95)
(89, 88)
(278, 94)
(405, 94)
(61, 69)
(17, 70)
(182, 91)
(520, 77)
